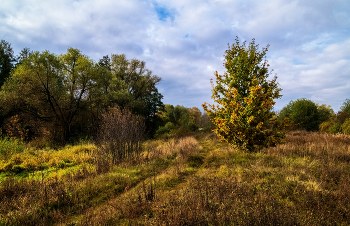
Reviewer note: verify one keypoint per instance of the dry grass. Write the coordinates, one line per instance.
(186, 182)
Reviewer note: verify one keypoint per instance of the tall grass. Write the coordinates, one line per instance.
(192, 181)
(8, 147)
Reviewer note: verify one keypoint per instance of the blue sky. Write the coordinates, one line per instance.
(184, 41)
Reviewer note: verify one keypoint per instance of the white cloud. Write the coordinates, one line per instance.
(309, 39)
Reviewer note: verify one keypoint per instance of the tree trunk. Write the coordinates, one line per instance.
(66, 133)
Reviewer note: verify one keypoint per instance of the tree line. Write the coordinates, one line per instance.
(310, 116)
(180, 120)
(65, 97)
(61, 98)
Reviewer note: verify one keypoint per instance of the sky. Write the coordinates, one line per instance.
(184, 42)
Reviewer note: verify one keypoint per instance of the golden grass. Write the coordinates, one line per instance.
(192, 181)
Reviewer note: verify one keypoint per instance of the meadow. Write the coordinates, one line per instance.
(194, 180)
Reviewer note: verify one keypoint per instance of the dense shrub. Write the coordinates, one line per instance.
(335, 128)
(325, 126)
(192, 127)
(302, 112)
(341, 116)
(337, 123)
(346, 127)
(165, 129)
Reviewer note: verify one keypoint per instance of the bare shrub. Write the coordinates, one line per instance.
(121, 134)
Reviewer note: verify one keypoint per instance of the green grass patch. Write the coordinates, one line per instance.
(168, 182)
(9, 147)
(195, 161)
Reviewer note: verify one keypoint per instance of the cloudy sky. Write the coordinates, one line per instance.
(184, 41)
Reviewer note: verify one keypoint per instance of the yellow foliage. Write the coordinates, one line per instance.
(243, 114)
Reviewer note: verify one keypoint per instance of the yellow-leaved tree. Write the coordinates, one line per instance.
(244, 113)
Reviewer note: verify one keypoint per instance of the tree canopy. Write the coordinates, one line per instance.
(70, 91)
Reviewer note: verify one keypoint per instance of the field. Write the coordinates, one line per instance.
(194, 180)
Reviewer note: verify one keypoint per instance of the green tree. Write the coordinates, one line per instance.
(286, 111)
(168, 113)
(303, 112)
(346, 106)
(325, 112)
(245, 99)
(7, 60)
(51, 88)
(137, 90)
(205, 123)
(195, 117)
(24, 54)
(181, 115)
